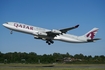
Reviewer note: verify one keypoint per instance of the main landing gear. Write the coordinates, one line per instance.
(49, 42)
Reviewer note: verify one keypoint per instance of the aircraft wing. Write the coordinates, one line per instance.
(53, 33)
(67, 29)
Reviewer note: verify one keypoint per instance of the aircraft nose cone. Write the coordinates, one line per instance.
(4, 24)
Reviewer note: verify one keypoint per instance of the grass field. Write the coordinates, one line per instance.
(52, 67)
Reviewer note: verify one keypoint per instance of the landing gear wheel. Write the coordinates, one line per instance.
(52, 41)
(49, 43)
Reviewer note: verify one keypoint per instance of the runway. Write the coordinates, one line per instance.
(53, 66)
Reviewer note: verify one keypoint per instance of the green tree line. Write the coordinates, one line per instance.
(32, 57)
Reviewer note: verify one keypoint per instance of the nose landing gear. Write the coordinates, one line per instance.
(11, 32)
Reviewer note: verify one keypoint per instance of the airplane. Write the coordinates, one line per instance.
(54, 34)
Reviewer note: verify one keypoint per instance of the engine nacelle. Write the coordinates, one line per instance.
(56, 31)
(36, 37)
(40, 33)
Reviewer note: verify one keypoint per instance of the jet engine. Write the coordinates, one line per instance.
(36, 37)
(56, 31)
(40, 33)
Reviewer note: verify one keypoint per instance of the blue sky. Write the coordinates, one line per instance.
(52, 14)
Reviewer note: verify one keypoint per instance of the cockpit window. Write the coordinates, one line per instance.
(6, 22)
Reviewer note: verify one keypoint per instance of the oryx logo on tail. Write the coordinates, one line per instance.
(92, 33)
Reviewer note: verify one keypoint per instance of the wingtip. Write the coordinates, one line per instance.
(77, 26)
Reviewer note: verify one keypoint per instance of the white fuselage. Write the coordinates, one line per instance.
(70, 38)
(37, 30)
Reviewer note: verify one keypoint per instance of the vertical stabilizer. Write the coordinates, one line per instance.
(91, 33)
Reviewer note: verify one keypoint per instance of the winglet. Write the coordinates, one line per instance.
(76, 26)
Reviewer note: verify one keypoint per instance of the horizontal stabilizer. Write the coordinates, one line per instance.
(97, 39)
(92, 40)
